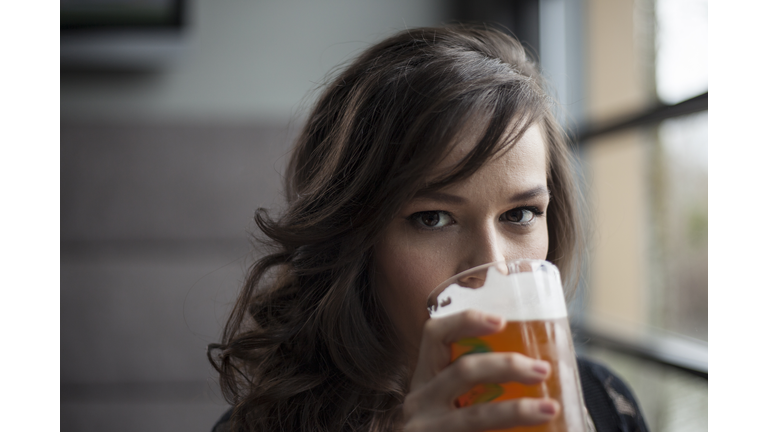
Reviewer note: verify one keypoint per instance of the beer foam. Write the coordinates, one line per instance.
(516, 297)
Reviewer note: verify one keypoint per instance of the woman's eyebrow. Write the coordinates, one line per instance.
(534, 192)
(440, 196)
(530, 193)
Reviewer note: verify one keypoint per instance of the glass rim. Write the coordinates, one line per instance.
(475, 269)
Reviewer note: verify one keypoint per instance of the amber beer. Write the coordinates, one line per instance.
(548, 340)
(529, 294)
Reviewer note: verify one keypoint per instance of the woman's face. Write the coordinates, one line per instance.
(497, 213)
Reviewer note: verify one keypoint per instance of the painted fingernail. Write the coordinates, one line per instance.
(493, 319)
(541, 367)
(547, 407)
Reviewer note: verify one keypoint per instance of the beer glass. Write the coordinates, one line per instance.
(529, 295)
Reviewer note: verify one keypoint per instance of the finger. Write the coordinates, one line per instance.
(498, 415)
(468, 371)
(439, 333)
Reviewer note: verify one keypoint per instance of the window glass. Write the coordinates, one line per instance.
(681, 49)
(678, 218)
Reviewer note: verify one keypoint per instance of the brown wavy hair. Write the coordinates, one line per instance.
(308, 346)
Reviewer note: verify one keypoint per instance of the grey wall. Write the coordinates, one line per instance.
(160, 175)
(246, 60)
(154, 245)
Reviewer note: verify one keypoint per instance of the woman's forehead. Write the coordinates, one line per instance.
(516, 175)
(531, 138)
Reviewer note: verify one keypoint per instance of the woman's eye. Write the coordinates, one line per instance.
(431, 219)
(522, 216)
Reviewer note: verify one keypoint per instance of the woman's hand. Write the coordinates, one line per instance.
(437, 382)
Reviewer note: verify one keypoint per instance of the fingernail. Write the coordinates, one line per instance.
(493, 319)
(541, 367)
(547, 407)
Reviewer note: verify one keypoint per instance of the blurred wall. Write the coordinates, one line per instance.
(246, 60)
(619, 84)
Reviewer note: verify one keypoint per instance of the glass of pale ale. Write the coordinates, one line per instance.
(529, 294)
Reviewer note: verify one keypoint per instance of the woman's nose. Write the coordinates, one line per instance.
(484, 246)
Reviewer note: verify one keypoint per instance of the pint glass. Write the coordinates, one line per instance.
(529, 295)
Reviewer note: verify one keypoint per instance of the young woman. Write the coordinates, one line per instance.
(433, 152)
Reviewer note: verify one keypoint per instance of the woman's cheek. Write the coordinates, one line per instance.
(407, 270)
(541, 247)
(536, 248)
